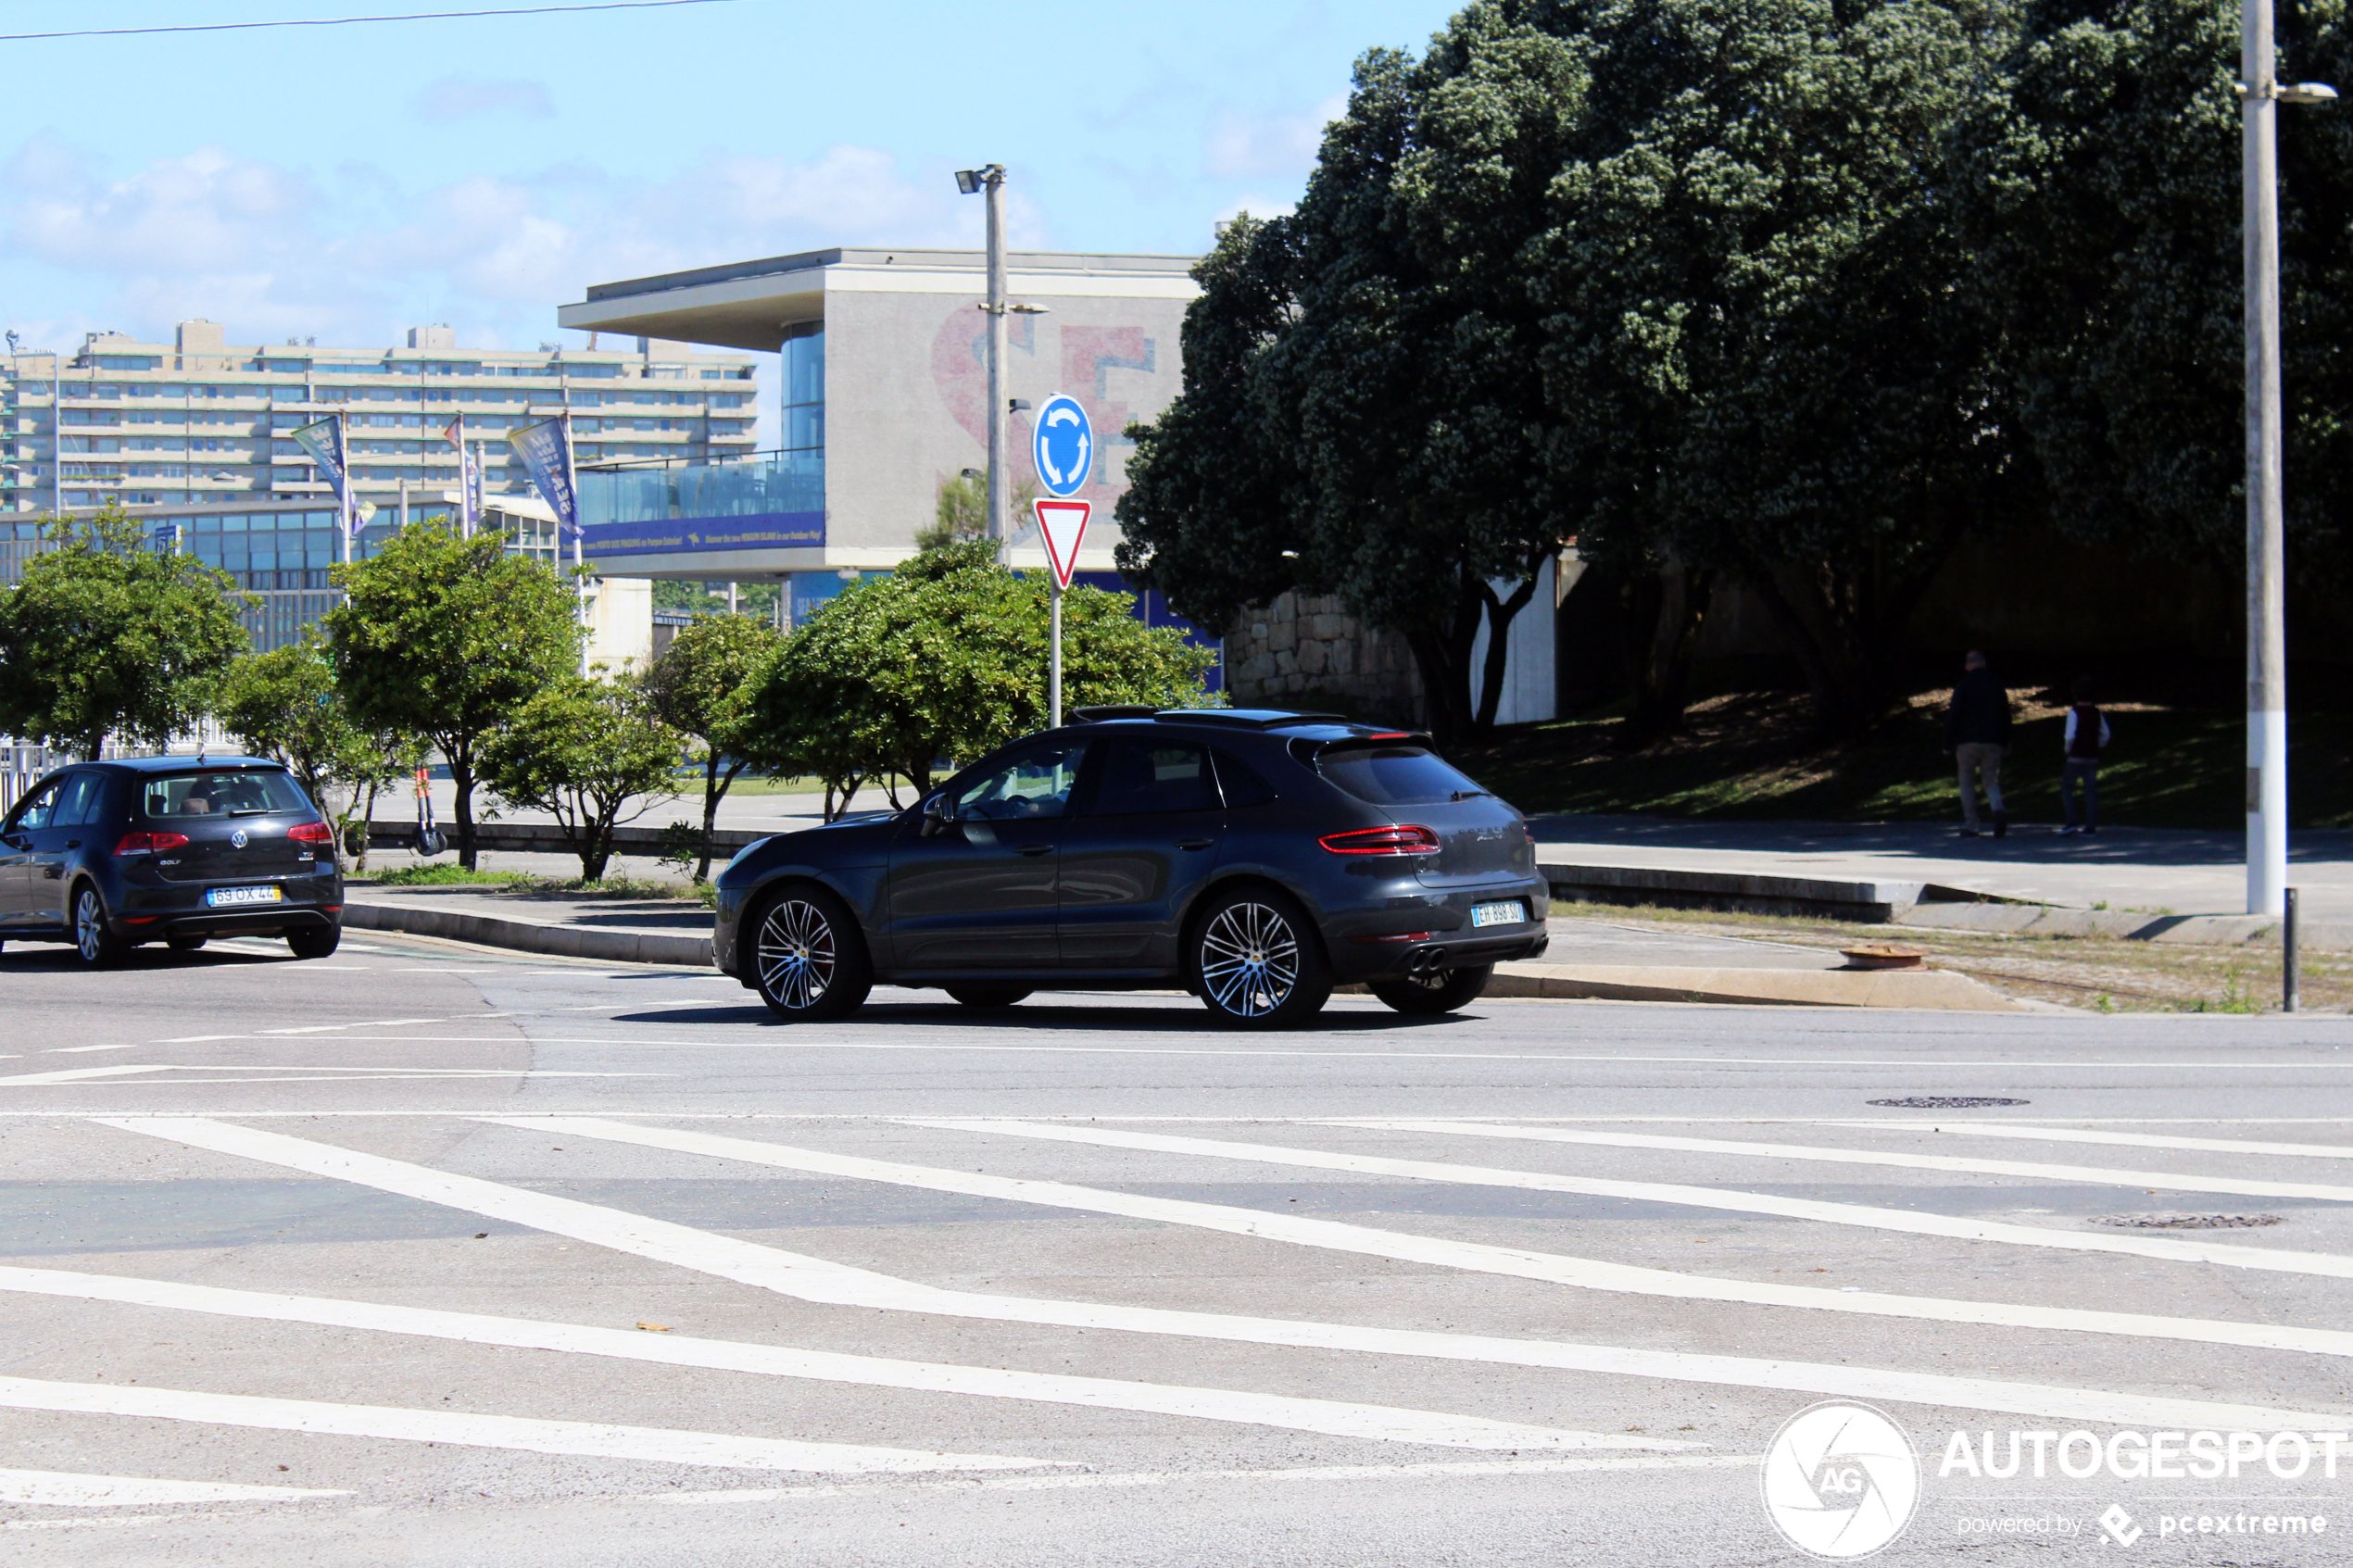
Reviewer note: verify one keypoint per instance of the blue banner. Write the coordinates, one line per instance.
(685, 535)
(323, 442)
(546, 450)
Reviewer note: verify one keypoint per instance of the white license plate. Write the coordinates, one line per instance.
(219, 898)
(1498, 914)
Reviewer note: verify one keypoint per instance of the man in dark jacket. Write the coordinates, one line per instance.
(1977, 734)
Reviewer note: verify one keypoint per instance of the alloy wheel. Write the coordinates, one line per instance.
(1249, 960)
(89, 926)
(795, 954)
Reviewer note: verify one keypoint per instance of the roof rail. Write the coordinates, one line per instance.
(1103, 711)
(1247, 718)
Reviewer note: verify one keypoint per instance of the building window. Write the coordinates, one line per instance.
(804, 394)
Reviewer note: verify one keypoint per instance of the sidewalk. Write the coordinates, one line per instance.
(1588, 958)
(2150, 869)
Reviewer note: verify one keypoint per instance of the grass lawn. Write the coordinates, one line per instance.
(1750, 754)
(2097, 973)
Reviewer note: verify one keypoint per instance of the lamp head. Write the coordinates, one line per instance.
(968, 181)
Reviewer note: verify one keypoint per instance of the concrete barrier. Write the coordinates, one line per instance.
(1940, 989)
(532, 937)
(1874, 902)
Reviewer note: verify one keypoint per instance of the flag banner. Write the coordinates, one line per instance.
(323, 441)
(546, 450)
(469, 480)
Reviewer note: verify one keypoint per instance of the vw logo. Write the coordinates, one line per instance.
(237, 839)
(1840, 1480)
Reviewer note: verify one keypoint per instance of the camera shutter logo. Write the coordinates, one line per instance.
(1840, 1480)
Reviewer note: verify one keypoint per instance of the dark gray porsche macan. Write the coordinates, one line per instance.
(175, 849)
(1256, 859)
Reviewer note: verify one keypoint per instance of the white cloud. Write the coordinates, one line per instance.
(1259, 145)
(462, 98)
(351, 257)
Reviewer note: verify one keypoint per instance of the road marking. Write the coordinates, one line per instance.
(314, 1073)
(1117, 1479)
(808, 1041)
(1514, 1263)
(467, 1429)
(76, 1050)
(2125, 1140)
(806, 1278)
(58, 1488)
(2164, 1181)
(362, 1023)
(1331, 1417)
(1913, 1222)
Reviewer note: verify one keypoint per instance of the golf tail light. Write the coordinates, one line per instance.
(1404, 840)
(149, 843)
(311, 832)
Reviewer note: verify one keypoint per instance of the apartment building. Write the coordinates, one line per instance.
(201, 421)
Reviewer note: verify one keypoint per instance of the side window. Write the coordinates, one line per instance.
(1032, 783)
(35, 811)
(77, 801)
(1141, 776)
(1241, 782)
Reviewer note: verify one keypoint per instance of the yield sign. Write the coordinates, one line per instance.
(1063, 523)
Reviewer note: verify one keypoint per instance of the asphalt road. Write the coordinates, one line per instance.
(480, 1259)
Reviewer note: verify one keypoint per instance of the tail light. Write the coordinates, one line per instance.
(311, 832)
(1406, 840)
(149, 843)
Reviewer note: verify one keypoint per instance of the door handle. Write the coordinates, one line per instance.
(1037, 849)
(1195, 843)
(73, 843)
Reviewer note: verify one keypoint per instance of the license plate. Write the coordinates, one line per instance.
(219, 898)
(1511, 913)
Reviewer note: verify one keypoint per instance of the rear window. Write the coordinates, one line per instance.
(223, 793)
(1394, 775)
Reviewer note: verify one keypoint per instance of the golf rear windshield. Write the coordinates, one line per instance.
(1394, 775)
(223, 792)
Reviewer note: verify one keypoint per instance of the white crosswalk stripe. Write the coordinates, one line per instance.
(2232, 1368)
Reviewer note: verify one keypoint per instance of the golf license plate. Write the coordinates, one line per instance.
(220, 897)
(1510, 913)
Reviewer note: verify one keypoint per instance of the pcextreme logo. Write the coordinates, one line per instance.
(1840, 1480)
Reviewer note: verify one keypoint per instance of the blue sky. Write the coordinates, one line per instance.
(347, 183)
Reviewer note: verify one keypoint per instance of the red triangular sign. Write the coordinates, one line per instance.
(1064, 525)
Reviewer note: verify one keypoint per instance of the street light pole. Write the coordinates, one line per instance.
(2261, 95)
(989, 181)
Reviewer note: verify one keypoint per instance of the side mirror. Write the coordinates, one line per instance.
(937, 818)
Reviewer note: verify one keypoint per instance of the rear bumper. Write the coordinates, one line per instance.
(1434, 931)
(232, 923)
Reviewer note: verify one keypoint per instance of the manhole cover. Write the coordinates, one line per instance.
(1948, 1102)
(2185, 1221)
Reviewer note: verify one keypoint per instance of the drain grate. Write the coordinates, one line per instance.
(2186, 1222)
(1948, 1102)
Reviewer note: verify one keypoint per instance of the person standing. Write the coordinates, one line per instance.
(1976, 736)
(2086, 739)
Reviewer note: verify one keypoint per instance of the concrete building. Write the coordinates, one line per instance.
(883, 402)
(200, 421)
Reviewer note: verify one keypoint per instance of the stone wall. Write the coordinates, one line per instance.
(1305, 652)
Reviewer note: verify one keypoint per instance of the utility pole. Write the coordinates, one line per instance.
(2261, 95)
(989, 181)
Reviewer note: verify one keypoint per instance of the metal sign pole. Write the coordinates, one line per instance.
(1054, 664)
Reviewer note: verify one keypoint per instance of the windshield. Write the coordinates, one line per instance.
(223, 792)
(1395, 775)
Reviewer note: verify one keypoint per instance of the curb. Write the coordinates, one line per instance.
(1939, 989)
(533, 936)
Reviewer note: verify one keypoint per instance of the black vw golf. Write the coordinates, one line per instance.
(176, 849)
(1256, 859)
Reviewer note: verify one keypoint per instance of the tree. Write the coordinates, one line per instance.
(692, 688)
(581, 751)
(2103, 200)
(961, 510)
(284, 705)
(105, 635)
(947, 659)
(447, 638)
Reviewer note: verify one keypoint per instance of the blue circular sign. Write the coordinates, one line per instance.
(1064, 445)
